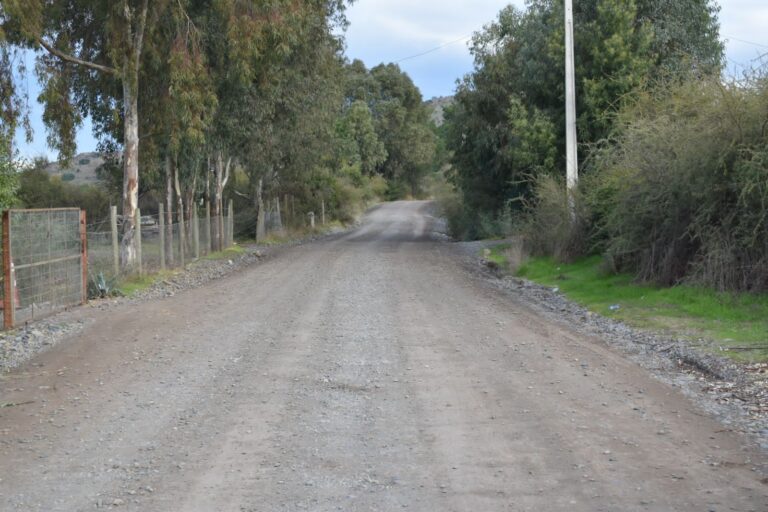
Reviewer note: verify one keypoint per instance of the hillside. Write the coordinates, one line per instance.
(81, 170)
(437, 108)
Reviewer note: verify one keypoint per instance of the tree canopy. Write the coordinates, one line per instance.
(507, 125)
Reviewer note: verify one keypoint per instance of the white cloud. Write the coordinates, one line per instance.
(744, 26)
(415, 26)
(390, 30)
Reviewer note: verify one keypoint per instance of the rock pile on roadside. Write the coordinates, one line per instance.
(19, 345)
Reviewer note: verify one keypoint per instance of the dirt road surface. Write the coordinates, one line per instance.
(366, 372)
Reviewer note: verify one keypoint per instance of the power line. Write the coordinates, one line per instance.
(436, 48)
(746, 42)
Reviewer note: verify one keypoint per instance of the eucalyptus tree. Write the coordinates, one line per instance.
(92, 64)
(401, 120)
(266, 60)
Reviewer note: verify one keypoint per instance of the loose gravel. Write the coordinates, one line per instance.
(736, 393)
(19, 345)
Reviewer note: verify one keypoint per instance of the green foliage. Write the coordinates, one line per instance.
(401, 121)
(681, 194)
(505, 128)
(12, 101)
(358, 142)
(553, 225)
(689, 311)
(9, 175)
(37, 189)
(100, 287)
(67, 176)
(262, 85)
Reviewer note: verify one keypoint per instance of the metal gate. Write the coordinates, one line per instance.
(45, 263)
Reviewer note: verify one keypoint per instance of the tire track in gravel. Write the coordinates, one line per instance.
(365, 372)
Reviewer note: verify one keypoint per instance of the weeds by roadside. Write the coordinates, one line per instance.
(732, 324)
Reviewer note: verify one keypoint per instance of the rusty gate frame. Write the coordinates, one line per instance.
(9, 277)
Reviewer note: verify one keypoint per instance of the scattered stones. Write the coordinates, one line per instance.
(737, 393)
(20, 345)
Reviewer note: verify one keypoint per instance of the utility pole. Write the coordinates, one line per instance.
(571, 154)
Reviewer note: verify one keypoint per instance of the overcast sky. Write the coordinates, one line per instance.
(393, 30)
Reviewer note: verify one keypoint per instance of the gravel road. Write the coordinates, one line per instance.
(365, 372)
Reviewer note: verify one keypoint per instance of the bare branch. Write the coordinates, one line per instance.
(74, 60)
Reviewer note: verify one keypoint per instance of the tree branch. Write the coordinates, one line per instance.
(140, 30)
(226, 172)
(74, 60)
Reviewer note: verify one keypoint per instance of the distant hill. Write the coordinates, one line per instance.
(437, 108)
(80, 171)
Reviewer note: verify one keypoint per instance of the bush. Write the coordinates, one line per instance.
(553, 227)
(38, 190)
(68, 176)
(682, 194)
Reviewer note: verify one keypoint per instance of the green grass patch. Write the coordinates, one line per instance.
(290, 235)
(498, 255)
(229, 252)
(738, 322)
(134, 284)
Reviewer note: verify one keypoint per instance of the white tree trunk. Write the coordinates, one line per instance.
(169, 209)
(261, 217)
(130, 172)
(221, 177)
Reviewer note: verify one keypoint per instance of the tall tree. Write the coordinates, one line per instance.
(94, 60)
(516, 93)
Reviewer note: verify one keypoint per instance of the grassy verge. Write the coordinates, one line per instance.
(738, 323)
(134, 284)
(289, 235)
(131, 285)
(498, 255)
(226, 254)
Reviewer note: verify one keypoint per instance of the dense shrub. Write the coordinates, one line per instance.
(682, 193)
(554, 225)
(37, 189)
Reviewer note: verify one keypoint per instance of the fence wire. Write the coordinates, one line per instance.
(174, 244)
(47, 262)
(46, 254)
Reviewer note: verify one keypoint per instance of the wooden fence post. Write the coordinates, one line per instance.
(161, 217)
(115, 241)
(208, 241)
(182, 238)
(231, 225)
(84, 254)
(196, 231)
(9, 284)
(322, 212)
(138, 241)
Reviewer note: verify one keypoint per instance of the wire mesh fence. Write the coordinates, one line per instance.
(44, 262)
(52, 259)
(162, 245)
